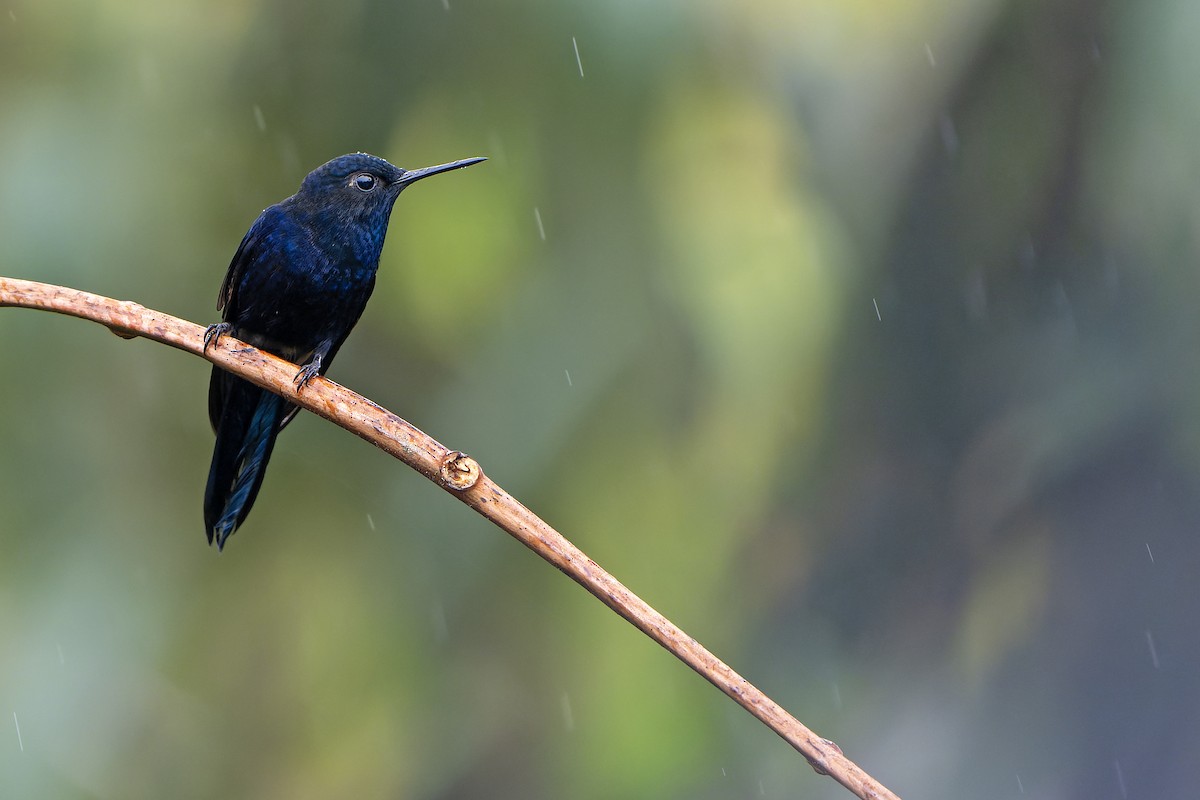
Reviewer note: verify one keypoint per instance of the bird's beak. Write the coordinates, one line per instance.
(414, 175)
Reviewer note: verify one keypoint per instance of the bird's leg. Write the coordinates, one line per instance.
(213, 333)
(312, 368)
(307, 372)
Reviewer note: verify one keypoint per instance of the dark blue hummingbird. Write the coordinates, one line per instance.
(296, 287)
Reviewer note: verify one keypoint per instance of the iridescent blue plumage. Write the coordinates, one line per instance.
(296, 287)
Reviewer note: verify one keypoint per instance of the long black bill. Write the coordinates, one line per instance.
(414, 175)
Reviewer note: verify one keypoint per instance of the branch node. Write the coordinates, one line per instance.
(819, 764)
(459, 471)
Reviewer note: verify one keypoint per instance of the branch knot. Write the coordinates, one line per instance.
(459, 471)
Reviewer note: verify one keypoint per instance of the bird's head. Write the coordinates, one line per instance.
(366, 182)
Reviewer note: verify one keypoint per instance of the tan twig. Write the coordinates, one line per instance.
(462, 477)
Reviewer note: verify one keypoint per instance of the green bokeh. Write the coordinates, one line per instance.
(859, 339)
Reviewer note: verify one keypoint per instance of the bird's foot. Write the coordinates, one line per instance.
(309, 371)
(213, 333)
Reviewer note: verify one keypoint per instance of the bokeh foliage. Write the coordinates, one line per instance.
(858, 338)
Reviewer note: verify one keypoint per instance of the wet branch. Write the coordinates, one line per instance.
(462, 477)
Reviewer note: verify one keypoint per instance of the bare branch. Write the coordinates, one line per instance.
(462, 477)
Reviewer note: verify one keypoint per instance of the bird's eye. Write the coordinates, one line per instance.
(364, 182)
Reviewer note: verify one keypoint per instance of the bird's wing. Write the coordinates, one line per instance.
(256, 259)
(248, 254)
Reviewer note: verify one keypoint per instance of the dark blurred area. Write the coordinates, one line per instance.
(857, 338)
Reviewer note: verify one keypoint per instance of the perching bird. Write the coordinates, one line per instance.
(296, 286)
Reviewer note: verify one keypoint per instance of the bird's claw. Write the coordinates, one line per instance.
(213, 333)
(306, 374)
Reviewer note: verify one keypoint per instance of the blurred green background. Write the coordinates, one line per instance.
(858, 338)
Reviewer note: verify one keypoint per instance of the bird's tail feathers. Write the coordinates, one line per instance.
(249, 424)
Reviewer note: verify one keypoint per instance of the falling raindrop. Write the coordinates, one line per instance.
(537, 215)
(1027, 253)
(568, 715)
(1120, 778)
(259, 118)
(496, 145)
(578, 60)
(949, 134)
(441, 631)
(20, 743)
(1112, 278)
